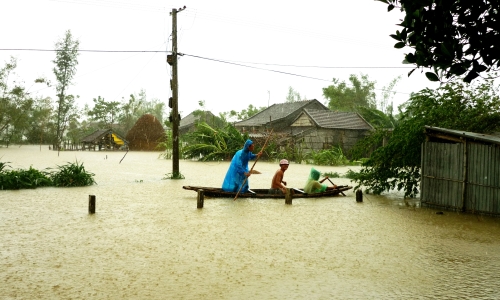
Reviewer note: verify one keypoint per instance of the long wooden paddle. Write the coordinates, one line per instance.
(337, 186)
(246, 178)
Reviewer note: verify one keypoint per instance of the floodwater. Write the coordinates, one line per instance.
(147, 239)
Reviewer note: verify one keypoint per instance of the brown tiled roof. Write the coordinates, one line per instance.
(277, 112)
(338, 120)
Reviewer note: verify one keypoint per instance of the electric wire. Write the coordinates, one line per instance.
(240, 64)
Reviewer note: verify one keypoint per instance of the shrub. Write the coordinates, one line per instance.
(72, 174)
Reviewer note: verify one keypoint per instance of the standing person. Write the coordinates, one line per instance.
(315, 186)
(238, 169)
(278, 185)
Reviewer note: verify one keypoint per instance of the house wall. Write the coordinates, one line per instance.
(322, 138)
(461, 177)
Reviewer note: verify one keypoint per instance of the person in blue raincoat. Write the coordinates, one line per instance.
(238, 169)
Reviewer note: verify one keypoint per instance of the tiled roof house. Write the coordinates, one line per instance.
(277, 116)
(188, 123)
(320, 129)
(309, 124)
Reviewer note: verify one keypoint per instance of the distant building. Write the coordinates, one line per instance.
(189, 122)
(277, 116)
(309, 124)
(323, 129)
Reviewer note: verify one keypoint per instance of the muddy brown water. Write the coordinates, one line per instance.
(148, 240)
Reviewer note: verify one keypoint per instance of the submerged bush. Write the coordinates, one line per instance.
(23, 179)
(72, 174)
(69, 175)
(328, 157)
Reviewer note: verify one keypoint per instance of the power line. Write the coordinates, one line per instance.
(269, 70)
(80, 50)
(240, 63)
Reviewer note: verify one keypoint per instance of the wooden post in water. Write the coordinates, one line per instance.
(288, 196)
(359, 196)
(201, 198)
(91, 204)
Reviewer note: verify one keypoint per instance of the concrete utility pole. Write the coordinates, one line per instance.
(174, 101)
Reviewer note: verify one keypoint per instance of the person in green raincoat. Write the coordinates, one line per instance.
(313, 185)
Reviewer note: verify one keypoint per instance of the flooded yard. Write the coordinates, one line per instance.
(147, 239)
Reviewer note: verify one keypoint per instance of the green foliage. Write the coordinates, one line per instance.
(71, 175)
(40, 129)
(329, 157)
(23, 179)
(104, 112)
(293, 96)
(65, 69)
(364, 147)
(342, 97)
(208, 143)
(246, 113)
(16, 106)
(452, 38)
(377, 118)
(167, 145)
(129, 111)
(350, 174)
(474, 108)
(331, 174)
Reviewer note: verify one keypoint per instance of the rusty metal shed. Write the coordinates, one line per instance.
(460, 171)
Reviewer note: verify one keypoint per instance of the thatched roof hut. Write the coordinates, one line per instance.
(146, 133)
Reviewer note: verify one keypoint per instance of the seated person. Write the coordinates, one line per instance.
(315, 186)
(278, 186)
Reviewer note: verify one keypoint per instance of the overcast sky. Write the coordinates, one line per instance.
(236, 53)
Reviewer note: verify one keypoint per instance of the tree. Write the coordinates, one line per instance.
(136, 107)
(103, 112)
(15, 105)
(458, 106)
(293, 96)
(130, 112)
(386, 104)
(246, 113)
(451, 37)
(342, 97)
(66, 61)
(40, 122)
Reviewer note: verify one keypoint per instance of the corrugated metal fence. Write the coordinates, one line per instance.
(461, 177)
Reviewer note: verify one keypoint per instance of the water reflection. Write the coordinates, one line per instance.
(147, 240)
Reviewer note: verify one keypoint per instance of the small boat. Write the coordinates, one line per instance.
(264, 193)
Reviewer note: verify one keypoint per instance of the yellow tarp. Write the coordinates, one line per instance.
(118, 141)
